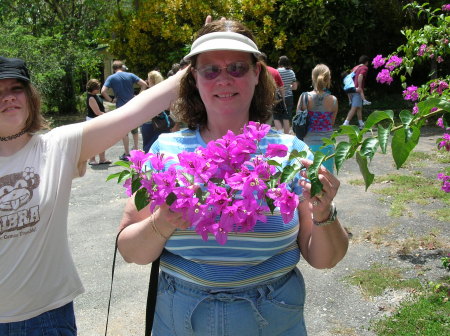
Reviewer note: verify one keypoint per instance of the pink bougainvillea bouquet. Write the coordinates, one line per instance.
(222, 188)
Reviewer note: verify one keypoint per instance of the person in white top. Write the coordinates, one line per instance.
(38, 279)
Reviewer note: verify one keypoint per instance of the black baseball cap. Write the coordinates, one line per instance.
(13, 68)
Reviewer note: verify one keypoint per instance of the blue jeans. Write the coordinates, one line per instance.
(272, 308)
(56, 322)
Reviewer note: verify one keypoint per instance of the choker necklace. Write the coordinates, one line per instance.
(14, 136)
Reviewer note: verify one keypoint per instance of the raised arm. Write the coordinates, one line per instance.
(105, 130)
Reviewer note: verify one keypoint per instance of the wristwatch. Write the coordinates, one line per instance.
(331, 218)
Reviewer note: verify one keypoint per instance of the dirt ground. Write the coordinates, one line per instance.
(333, 306)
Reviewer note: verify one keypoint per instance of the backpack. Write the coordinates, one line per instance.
(300, 122)
(349, 84)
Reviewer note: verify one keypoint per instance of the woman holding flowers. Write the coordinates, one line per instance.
(245, 282)
(38, 279)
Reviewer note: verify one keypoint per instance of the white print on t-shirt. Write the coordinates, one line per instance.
(16, 190)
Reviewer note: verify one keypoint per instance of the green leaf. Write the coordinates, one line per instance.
(351, 131)
(341, 154)
(313, 173)
(295, 154)
(189, 177)
(199, 194)
(122, 163)
(403, 142)
(377, 116)
(270, 204)
(406, 117)
(383, 137)
(113, 176)
(171, 198)
(124, 175)
(288, 174)
(135, 185)
(369, 147)
(364, 169)
(141, 199)
(274, 163)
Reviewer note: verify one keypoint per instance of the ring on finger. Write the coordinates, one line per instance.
(315, 203)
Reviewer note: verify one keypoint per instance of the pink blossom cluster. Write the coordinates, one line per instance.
(224, 187)
(446, 8)
(445, 182)
(384, 77)
(378, 61)
(393, 62)
(438, 86)
(422, 49)
(444, 142)
(440, 123)
(411, 93)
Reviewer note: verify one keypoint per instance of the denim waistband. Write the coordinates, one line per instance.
(181, 284)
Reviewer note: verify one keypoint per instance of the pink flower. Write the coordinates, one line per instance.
(422, 49)
(445, 182)
(439, 59)
(444, 142)
(378, 61)
(411, 93)
(446, 8)
(393, 62)
(415, 109)
(440, 123)
(274, 150)
(442, 86)
(384, 76)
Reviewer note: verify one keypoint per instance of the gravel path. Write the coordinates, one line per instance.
(333, 307)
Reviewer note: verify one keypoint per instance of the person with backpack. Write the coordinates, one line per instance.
(357, 98)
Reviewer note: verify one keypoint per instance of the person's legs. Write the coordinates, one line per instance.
(59, 321)
(126, 144)
(356, 102)
(286, 126)
(135, 134)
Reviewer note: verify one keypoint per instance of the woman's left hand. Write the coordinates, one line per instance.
(321, 202)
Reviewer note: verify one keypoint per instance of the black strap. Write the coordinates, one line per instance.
(151, 297)
(112, 280)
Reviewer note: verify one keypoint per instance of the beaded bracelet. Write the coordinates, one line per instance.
(155, 229)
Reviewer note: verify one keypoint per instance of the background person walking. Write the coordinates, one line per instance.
(358, 98)
(122, 82)
(289, 81)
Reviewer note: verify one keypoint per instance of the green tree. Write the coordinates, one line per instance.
(58, 41)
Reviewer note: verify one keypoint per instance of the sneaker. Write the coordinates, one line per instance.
(124, 157)
(366, 102)
(361, 126)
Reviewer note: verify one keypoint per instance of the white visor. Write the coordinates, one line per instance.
(223, 41)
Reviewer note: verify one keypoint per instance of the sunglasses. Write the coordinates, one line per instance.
(236, 69)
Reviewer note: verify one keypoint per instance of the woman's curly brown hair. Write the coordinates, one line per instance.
(189, 107)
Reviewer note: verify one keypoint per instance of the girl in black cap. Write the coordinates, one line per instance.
(38, 279)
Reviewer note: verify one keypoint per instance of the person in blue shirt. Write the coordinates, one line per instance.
(250, 285)
(122, 83)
